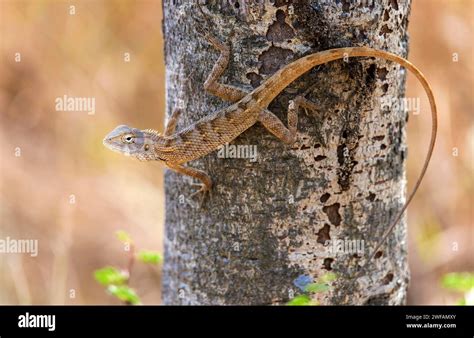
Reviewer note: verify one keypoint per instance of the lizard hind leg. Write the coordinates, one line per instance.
(277, 128)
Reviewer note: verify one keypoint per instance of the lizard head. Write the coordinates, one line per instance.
(130, 142)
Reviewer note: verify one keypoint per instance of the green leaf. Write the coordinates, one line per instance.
(316, 287)
(110, 275)
(124, 293)
(150, 257)
(123, 236)
(458, 281)
(469, 297)
(328, 277)
(300, 300)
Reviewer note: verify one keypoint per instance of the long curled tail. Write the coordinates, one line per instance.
(281, 79)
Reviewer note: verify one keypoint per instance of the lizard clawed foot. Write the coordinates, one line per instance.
(203, 27)
(307, 105)
(212, 40)
(205, 183)
(204, 189)
(201, 30)
(202, 24)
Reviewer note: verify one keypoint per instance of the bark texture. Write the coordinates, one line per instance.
(265, 229)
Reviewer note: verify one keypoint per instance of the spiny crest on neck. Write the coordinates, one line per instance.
(153, 133)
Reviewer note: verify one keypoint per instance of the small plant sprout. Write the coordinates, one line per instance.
(462, 282)
(117, 280)
(304, 283)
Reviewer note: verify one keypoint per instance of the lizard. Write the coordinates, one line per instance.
(175, 148)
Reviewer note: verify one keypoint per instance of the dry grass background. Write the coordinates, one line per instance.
(62, 155)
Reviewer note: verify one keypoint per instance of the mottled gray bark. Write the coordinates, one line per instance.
(265, 227)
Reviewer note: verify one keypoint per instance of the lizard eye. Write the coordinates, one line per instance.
(128, 138)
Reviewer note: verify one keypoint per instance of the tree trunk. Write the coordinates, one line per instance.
(269, 225)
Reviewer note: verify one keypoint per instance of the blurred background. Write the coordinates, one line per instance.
(59, 185)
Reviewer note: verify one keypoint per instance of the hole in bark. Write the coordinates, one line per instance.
(346, 166)
(346, 6)
(332, 211)
(236, 4)
(371, 74)
(279, 3)
(280, 15)
(371, 197)
(385, 30)
(327, 263)
(378, 300)
(383, 146)
(319, 158)
(385, 87)
(304, 147)
(382, 73)
(255, 79)
(378, 138)
(387, 279)
(394, 4)
(324, 198)
(323, 234)
(279, 30)
(340, 153)
(378, 254)
(273, 58)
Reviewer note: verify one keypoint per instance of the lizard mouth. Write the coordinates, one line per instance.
(109, 144)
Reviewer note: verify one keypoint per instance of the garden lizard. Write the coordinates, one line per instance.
(175, 148)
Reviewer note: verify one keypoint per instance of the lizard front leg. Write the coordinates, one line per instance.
(206, 182)
(223, 91)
